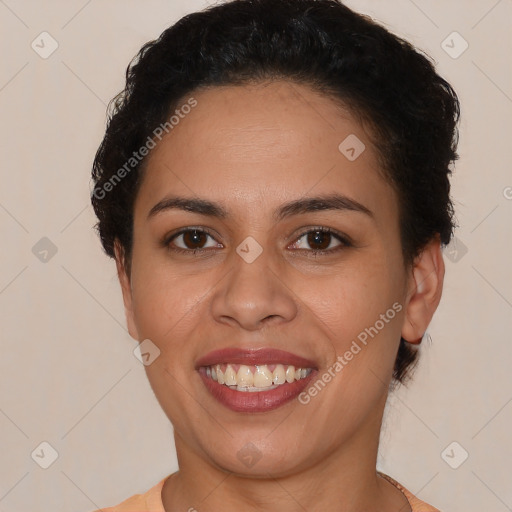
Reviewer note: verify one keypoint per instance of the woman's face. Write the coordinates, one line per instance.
(261, 155)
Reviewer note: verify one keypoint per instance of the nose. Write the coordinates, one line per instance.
(253, 295)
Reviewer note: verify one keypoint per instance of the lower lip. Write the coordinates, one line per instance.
(257, 401)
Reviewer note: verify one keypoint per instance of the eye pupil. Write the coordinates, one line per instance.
(195, 236)
(319, 238)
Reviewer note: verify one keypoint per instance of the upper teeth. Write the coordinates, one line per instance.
(255, 377)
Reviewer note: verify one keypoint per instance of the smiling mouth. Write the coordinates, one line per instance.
(255, 378)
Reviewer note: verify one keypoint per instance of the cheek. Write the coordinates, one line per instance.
(166, 304)
(358, 305)
(364, 288)
(360, 313)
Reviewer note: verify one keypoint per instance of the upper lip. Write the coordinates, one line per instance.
(254, 357)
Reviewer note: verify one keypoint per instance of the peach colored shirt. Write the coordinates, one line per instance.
(151, 500)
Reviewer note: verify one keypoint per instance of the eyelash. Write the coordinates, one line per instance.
(345, 241)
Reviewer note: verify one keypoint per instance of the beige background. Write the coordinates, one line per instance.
(67, 372)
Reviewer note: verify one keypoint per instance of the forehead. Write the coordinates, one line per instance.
(255, 143)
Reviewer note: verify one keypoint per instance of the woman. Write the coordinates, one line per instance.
(273, 185)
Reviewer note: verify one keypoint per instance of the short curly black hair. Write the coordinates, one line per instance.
(381, 78)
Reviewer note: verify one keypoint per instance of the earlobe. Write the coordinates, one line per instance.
(426, 286)
(125, 282)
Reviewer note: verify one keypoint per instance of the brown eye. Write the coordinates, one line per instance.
(321, 240)
(190, 240)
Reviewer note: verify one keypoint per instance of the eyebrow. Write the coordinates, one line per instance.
(296, 207)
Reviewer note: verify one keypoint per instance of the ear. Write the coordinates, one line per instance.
(124, 280)
(425, 289)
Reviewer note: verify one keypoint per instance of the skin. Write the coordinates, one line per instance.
(251, 149)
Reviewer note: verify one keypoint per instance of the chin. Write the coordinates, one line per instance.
(253, 459)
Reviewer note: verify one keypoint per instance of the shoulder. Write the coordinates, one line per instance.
(149, 501)
(416, 504)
